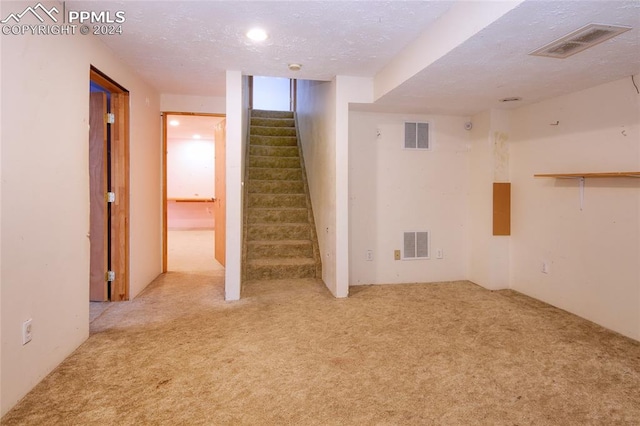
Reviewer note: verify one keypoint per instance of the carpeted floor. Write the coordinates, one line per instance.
(191, 250)
(289, 353)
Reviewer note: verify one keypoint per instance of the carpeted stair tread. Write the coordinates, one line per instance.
(266, 173)
(272, 122)
(278, 231)
(266, 140)
(294, 261)
(274, 151)
(277, 200)
(274, 162)
(273, 250)
(271, 114)
(272, 131)
(276, 186)
(278, 215)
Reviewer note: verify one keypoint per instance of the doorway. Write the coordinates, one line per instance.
(109, 189)
(273, 93)
(193, 191)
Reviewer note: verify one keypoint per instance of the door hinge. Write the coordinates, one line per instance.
(110, 118)
(110, 276)
(110, 197)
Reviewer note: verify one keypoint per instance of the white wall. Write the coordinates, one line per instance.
(392, 190)
(316, 103)
(272, 93)
(187, 103)
(348, 90)
(234, 178)
(45, 251)
(190, 168)
(593, 253)
(1, 104)
(488, 163)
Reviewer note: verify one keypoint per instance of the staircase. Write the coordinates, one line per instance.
(279, 232)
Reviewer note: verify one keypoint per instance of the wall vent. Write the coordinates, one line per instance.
(579, 40)
(416, 135)
(416, 245)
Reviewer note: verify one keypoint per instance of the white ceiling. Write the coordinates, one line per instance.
(185, 47)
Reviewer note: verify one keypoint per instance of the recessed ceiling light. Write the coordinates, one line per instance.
(295, 67)
(196, 136)
(257, 34)
(174, 123)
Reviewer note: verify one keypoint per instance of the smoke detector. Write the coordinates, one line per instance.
(579, 40)
(294, 67)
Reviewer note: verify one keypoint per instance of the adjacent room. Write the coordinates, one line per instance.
(191, 196)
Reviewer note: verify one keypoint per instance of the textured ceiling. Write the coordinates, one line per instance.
(494, 64)
(184, 47)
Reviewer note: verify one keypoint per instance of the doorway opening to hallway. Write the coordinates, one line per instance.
(193, 192)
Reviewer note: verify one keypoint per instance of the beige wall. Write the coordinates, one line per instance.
(392, 190)
(234, 177)
(188, 103)
(488, 163)
(348, 90)
(594, 252)
(316, 103)
(45, 198)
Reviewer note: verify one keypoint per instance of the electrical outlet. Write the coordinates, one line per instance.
(369, 255)
(27, 331)
(546, 267)
(396, 254)
(439, 254)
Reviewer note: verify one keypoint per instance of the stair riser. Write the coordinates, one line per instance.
(278, 216)
(280, 251)
(275, 162)
(274, 151)
(271, 114)
(273, 140)
(272, 131)
(280, 272)
(275, 174)
(276, 187)
(277, 200)
(272, 122)
(276, 233)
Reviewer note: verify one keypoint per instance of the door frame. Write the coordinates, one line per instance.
(120, 245)
(165, 124)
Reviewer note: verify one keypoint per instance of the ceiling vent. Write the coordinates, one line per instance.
(579, 40)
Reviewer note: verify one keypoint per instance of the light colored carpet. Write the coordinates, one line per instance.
(191, 250)
(289, 353)
(96, 309)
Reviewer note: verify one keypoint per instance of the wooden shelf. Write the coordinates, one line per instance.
(192, 200)
(590, 175)
(583, 176)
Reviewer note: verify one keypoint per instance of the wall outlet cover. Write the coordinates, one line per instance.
(27, 332)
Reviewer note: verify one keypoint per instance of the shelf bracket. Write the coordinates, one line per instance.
(581, 193)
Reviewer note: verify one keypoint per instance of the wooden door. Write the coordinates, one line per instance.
(98, 221)
(120, 207)
(219, 209)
